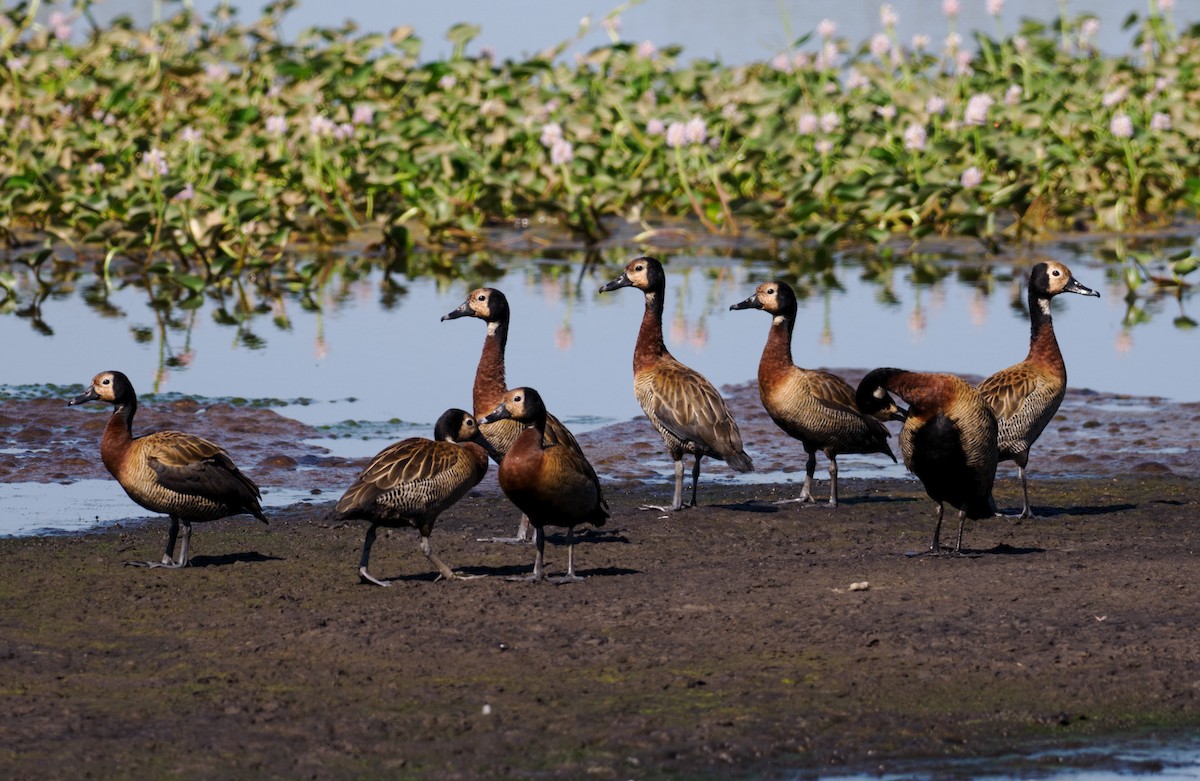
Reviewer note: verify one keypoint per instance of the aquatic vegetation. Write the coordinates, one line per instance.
(213, 145)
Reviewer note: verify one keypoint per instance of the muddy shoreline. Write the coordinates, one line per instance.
(727, 641)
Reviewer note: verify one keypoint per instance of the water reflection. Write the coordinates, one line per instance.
(339, 328)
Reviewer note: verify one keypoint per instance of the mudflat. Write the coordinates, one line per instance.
(739, 639)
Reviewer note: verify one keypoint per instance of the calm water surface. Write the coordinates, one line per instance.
(363, 356)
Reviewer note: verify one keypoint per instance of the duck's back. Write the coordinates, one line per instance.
(1025, 397)
(818, 407)
(181, 474)
(689, 412)
(413, 479)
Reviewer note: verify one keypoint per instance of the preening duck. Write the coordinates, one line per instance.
(181, 475)
(552, 484)
(684, 407)
(816, 407)
(948, 440)
(1026, 396)
(491, 306)
(411, 482)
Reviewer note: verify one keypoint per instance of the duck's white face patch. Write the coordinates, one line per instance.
(879, 393)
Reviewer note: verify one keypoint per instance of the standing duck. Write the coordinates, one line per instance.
(491, 306)
(816, 407)
(552, 484)
(412, 481)
(686, 409)
(182, 475)
(948, 439)
(1025, 396)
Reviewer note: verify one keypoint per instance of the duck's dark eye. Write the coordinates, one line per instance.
(770, 291)
(517, 398)
(639, 268)
(481, 297)
(105, 381)
(1056, 272)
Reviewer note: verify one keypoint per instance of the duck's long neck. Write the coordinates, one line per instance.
(1043, 346)
(777, 354)
(118, 433)
(650, 346)
(489, 377)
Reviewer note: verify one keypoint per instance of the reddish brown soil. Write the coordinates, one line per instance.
(725, 641)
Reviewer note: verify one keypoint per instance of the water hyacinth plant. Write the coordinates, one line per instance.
(208, 145)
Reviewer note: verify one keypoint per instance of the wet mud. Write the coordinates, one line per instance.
(739, 639)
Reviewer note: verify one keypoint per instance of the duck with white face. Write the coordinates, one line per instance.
(181, 475)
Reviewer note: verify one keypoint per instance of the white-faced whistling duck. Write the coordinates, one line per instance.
(948, 440)
(553, 485)
(411, 482)
(816, 407)
(684, 407)
(181, 475)
(491, 306)
(1026, 396)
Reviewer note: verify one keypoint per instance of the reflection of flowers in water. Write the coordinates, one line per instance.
(917, 322)
(679, 328)
(564, 337)
(1124, 342)
(699, 337)
(320, 348)
(978, 308)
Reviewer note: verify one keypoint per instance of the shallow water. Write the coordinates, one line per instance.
(366, 369)
(1132, 760)
(359, 358)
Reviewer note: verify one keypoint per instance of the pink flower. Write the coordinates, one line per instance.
(1121, 125)
(827, 29)
(950, 8)
(995, 7)
(807, 125)
(154, 162)
(977, 109)
(855, 80)
(1013, 95)
(824, 146)
(321, 126)
(676, 135)
(935, 105)
(887, 112)
(915, 138)
(186, 194)
(888, 16)
(830, 122)
(1114, 97)
(920, 42)
(363, 115)
(880, 45)
(190, 135)
(828, 57)
(562, 152)
(551, 134)
(647, 50)
(696, 132)
(971, 178)
(1160, 121)
(782, 62)
(655, 127)
(276, 125)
